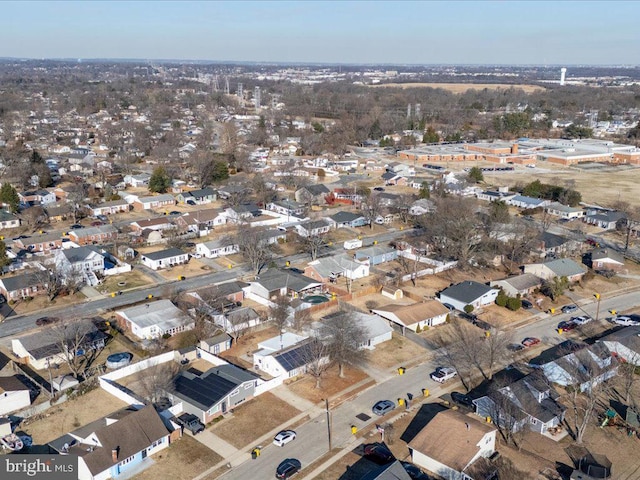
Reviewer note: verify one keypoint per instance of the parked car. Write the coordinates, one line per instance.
(379, 189)
(46, 321)
(191, 423)
(581, 320)
(569, 309)
(442, 374)
(567, 326)
(624, 320)
(462, 399)
(530, 341)
(383, 407)
(284, 437)
(97, 223)
(378, 453)
(102, 218)
(288, 468)
(76, 226)
(515, 347)
(449, 306)
(526, 304)
(414, 472)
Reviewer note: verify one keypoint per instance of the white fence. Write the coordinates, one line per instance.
(118, 270)
(120, 392)
(266, 385)
(139, 366)
(211, 358)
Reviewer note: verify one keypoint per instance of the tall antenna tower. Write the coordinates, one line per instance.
(240, 91)
(256, 97)
(275, 99)
(226, 85)
(409, 111)
(563, 73)
(417, 109)
(216, 85)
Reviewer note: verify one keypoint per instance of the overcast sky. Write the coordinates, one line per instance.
(420, 32)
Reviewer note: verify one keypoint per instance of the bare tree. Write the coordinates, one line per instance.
(76, 199)
(51, 280)
(252, 247)
(156, 380)
(229, 138)
(279, 312)
(34, 217)
(312, 243)
(345, 338)
(371, 208)
(316, 358)
(505, 415)
(73, 339)
(263, 193)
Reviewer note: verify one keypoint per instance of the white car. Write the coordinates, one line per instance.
(442, 374)
(284, 437)
(624, 320)
(582, 320)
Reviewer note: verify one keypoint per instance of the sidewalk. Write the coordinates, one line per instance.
(296, 401)
(215, 443)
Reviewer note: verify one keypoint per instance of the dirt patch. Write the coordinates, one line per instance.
(463, 87)
(72, 415)
(184, 459)
(331, 384)
(132, 279)
(250, 422)
(501, 317)
(399, 350)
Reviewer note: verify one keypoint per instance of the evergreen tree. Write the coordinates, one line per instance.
(220, 171)
(4, 259)
(430, 136)
(9, 196)
(160, 180)
(475, 175)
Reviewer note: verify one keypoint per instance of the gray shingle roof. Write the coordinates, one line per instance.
(162, 254)
(466, 292)
(565, 267)
(275, 279)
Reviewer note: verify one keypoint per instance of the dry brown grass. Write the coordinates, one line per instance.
(250, 422)
(397, 351)
(191, 269)
(184, 459)
(133, 279)
(72, 415)
(331, 384)
(463, 87)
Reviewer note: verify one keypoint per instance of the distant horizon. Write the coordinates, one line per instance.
(276, 63)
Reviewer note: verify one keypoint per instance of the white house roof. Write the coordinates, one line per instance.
(162, 314)
(278, 343)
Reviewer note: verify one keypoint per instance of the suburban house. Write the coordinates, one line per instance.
(522, 285)
(533, 402)
(137, 181)
(417, 315)
(164, 258)
(154, 201)
(93, 235)
(197, 197)
(44, 243)
(451, 443)
(312, 228)
(271, 236)
(84, 261)
(313, 194)
(348, 220)
(275, 282)
(500, 195)
(607, 220)
(201, 221)
(23, 285)
(562, 267)
(329, 269)
(231, 291)
(114, 445)
(624, 344)
(579, 365)
(218, 247)
(14, 395)
(550, 244)
(604, 259)
(287, 207)
(468, 293)
(522, 201)
(8, 220)
(157, 224)
(236, 320)
(217, 343)
(110, 208)
(58, 212)
(243, 212)
(563, 211)
(376, 330)
(214, 392)
(226, 192)
(288, 357)
(391, 178)
(43, 349)
(391, 471)
(154, 319)
(37, 197)
(375, 255)
(421, 206)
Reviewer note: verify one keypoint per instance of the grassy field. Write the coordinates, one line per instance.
(463, 87)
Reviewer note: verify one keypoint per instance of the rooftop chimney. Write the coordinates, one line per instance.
(514, 148)
(114, 454)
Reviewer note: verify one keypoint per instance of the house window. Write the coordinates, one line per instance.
(248, 386)
(127, 460)
(236, 391)
(534, 421)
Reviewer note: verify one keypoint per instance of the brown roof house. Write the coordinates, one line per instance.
(110, 446)
(423, 315)
(14, 395)
(604, 259)
(450, 445)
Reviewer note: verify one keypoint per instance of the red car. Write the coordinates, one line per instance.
(530, 341)
(567, 326)
(96, 223)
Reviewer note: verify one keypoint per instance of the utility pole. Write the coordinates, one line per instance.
(326, 404)
(597, 295)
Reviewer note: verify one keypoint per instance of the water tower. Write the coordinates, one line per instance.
(563, 72)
